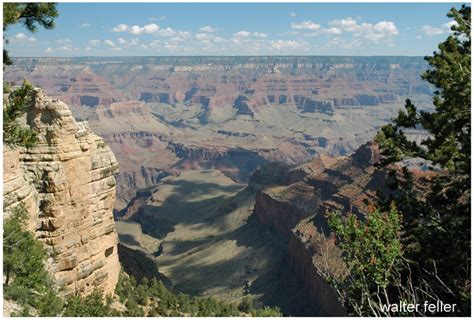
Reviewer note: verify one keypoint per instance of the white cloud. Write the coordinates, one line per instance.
(23, 37)
(242, 34)
(85, 25)
(382, 31)
(202, 36)
(151, 28)
(94, 42)
(259, 34)
(431, 31)
(177, 39)
(66, 48)
(125, 42)
(354, 43)
(109, 43)
(385, 27)
(207, 38)
(329, 31)
(171, 46)
(63, 41)
(292, 14)
(146, 29)
(207, 29)
(168, 32)
(121, 28)
(133, 42)
(434, 31)
(286, 44)
(246, 34)
(347, 24)
(155, 43)
(48, 50)
(218, 39)
(332, 30)
(344, 43)
(184, 33)
(316, 28)
(305, 25)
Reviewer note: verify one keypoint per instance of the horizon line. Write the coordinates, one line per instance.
(229, 56)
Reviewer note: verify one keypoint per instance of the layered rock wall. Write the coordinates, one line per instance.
(67, 185)
(302, 258)
(298, 210)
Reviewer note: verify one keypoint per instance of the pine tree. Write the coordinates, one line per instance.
(23, 258)
(30, 15)
(437, 222)
(425, 255)
(14, 134)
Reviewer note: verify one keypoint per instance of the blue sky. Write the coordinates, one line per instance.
(154, 29)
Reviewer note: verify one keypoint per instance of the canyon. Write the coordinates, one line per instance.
(162, 115)
(230, 165)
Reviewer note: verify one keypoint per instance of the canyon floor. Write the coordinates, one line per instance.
(212, 245)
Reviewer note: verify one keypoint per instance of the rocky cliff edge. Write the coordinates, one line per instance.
(67, 184)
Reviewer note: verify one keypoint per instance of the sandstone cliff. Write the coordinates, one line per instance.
(67, 184)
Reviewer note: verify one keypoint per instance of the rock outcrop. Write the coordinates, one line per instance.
(298, 210)
(67, 185)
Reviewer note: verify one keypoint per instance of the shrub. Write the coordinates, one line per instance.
(15, 106)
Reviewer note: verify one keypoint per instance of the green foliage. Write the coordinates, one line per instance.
(15, 106)
(30, 15)
(92, 305)
(133, 309)
(49, 304)
(162, 302)
(141, 294)
(372, 252)
(266, 312)
(245, 305)
(449, 143)
(394, 145)
(436, 220)
(22, 259)
(26, 280)
(6, 87)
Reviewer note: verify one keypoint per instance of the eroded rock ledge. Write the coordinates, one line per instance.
(67, 184)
